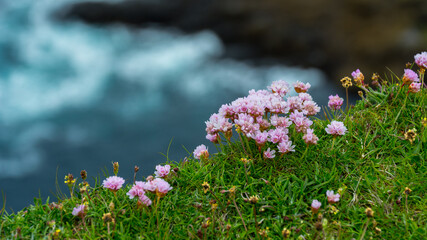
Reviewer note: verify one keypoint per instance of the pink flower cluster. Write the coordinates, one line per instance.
(113, 183)
(162, 171)
(157, 185)
(410, 76)
(336, 128)
(335, 102)
(358, 77)
(421, 59)
(201, 152)
(315, 206)
(332, 198)
(79, 210)
(265, 117)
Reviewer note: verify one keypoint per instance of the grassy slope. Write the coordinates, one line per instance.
(372, 164)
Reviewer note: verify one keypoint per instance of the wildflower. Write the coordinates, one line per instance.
(264, 232)
(245, 160)
(421, 60)
(232, 190)
(424, 122)
(280, 88)
(253, 199)
(269, 153)
(409, 76)
(332, 198)
(411, 134)
(414, 87)
(201, 152)
(285, 147)
(336, 128)
(301, 87)
(334, 210)
(115, 168)
(107, 218)
(69, 180)
(162, 187)
(261, 138)
(309, 137)
(83, 174)
(369, 212)
(335, 102)
(407, 190)
(205, 186)
(315, 205)
(79, 210)
(213, 138)
(286, 232)
(113, 183)
(358, 77)
(137, 190)
(311, 107)
(375, 76)
(346, 82)
(162, 171)
(145, 200)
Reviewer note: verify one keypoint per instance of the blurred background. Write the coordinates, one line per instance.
(86, 83)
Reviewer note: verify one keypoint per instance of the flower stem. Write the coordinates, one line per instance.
(256, 222)
(364, 230)
(240, 214)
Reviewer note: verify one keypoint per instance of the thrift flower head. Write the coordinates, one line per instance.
(332, 198)
(201, 152)
(79, 210)
(113, 183)
(421, 59)
(301, 87)
(162, 187)
(279, 87)
(315, 205)
(336, 128)
(137, 190)
(346, 82)
(145, 200)
(335, 102)
(410, 76)
(411, 134)
(285, 147)
(162, 171)
(414, 87)
(310, 137)
(358, 77)
(269, 153)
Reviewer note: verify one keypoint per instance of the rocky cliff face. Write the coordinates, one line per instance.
(333, 35)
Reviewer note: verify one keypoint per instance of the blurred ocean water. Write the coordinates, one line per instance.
(74, 96)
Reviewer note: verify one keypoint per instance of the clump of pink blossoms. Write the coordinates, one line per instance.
(301, 87)
(410, 76)
(315, 206)
(79, 211)
(336, 128)
(358, 77)
(269, 153)
(201, 152)
(113, 183)
(335, 102)
(310, 137)
(421, 59)
(332, 198)
(162, 171)
(414, 87)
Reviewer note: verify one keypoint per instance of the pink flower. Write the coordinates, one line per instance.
(305, 97)
(201, 152)
(162, 187)
(335, 102)
(358, 77)
(414, 87)
(113, 183)
(79, 210)
(261, 137)
(279, 87)
(409, 77)
(332, 198)
(421, 59)
(280, 121)
(149, 186)
(294, 103)
(301, 87)
(336, 128)
(278, 135)
(311, 108)
(315, 205)
(137, 190)
(286, 146)
(269, 153)
(213, 138)
(145, 200)
(162, 171)
(310, 137)
(302, 124)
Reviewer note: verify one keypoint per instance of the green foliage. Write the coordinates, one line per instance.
(370, 166)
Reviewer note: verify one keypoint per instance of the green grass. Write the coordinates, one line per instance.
(370, 166)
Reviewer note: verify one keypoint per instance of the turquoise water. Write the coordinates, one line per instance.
(75, 97)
